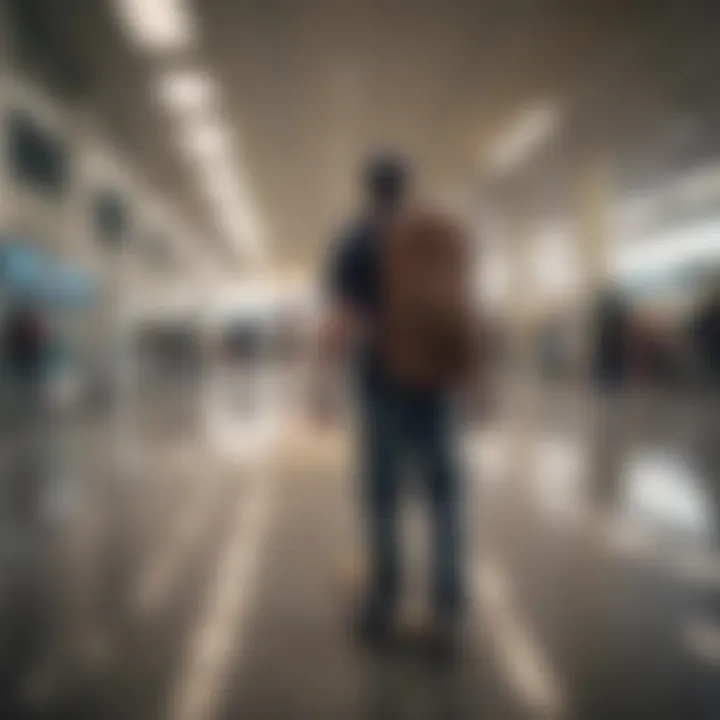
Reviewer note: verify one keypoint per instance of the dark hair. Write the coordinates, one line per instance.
(386, 178)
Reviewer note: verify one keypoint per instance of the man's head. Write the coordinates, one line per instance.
(386, 179)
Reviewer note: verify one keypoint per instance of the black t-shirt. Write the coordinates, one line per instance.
(354, 269)
(354, 278)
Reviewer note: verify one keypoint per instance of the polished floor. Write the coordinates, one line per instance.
(187, 581)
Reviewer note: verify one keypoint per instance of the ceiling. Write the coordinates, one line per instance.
(311, 85)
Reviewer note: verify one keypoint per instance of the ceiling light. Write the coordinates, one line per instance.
(237, 220)
(219, 183)
(207, 139)
(670, 251)
(187, 91)
(239, 223)
(524, 137)
(157, 25)
(555, 261)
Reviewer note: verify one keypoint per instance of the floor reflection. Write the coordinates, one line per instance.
(663, 489)
(159, 596)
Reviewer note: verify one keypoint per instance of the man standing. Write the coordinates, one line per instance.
(705, 338)
(25, 347)
(398, 421)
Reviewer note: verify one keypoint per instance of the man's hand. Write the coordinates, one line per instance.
(336, 336)
(338, 333)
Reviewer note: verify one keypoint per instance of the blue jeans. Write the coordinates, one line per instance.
(399, 426)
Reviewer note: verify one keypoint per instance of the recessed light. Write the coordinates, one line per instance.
(157, 25)
(187, 91)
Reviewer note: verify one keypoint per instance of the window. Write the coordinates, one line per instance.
(37, 159)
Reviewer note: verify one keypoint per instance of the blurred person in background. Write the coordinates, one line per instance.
(667, 364)
(24, 348)
(612, 330)
(705, 337)
(26, 351)
(398, 420)
(655, 359)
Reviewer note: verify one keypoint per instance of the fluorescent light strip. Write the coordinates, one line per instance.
(157, 25)
(221, 184)
(525, 137)
(670, 250)
(206, 140)
(231, 204)
(191, 95)
(237, 221)
(187, 91)
(223, 189)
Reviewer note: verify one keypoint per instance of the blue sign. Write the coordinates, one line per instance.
(28, 273)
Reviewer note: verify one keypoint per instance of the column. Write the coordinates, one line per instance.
(603, 421)
(520, 395)
(590, 210)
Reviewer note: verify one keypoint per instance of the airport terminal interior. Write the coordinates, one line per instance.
(179, 527)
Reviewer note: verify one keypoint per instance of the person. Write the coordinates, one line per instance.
(25, 346)
(705, 338)
(611, 329)
(24, 354)
(396, 423)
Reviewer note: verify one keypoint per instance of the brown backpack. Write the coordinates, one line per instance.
(428, 332)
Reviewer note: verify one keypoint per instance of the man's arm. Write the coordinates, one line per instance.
(339, 324)
(338, 332)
